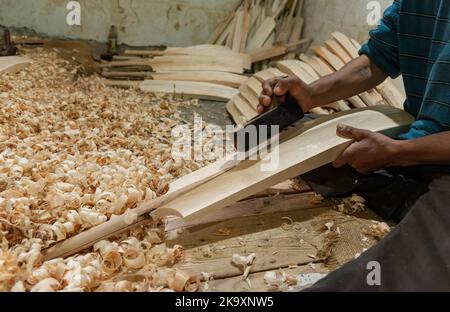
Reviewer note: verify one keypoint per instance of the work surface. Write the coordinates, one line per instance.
(295, 236)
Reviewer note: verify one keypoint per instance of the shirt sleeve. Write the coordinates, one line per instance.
(382, 47)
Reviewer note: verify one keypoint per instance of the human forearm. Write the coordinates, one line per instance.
(429, 150)
(356, 77)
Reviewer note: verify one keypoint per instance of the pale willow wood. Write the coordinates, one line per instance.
(268, 74)
(387, 89)
(296, 68)
(249, 95)
(262, 34)
(13, 64)
(323, 70)
(221, 78)
(307, 151)
(370, 99)
(202, 90)
(244, 107)
(237, 116)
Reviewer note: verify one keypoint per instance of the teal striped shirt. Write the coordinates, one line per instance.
(412, 39)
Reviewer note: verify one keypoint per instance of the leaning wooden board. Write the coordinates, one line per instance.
(221, 78)
(190, 89)
(315, 147)
(201, 90)
(13, 64)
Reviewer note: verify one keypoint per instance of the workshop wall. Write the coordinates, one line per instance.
(170, 22)
(322, 17)
(141, 22)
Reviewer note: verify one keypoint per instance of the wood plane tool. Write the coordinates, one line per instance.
(284, 112)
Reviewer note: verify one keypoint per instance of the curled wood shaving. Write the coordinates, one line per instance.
(74, 153)
(352, 205)
(244, 263)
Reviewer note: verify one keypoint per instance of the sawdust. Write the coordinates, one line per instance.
(73, 154)
(343, 237)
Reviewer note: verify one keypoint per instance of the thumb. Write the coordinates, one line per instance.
(352, 133)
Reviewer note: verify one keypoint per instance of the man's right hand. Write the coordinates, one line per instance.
(280, 87)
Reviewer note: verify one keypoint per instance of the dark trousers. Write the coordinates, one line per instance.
(415, 256)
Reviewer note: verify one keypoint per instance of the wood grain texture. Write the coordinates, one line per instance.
(201, 90)
(249, 95)
(268, 74)
(235, 114)
(262, 34)
(244, 107)
(297, 68)
(221, 78)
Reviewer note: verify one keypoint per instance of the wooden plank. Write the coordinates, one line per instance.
(345, 42)
(389, 92)
(13, 64)
(221, 78)
(323, 70)
(127, 74)
(268, 52)
(296, 33)
(204, 51)
(265, 53)
(229, 42)
(222, 60)
(244, 107)
(263, 235)
(249, 95)
(256, 281)
(236, 115)
(338, 50)
(311, 149)
(268, 74)
(252, 207)
(202, 90)
(123, 83)
(241, 32)
(255, 85)
(335, 62)
(194, 66)
(293, 67)
(222, 26)
(262, 34)
(370, 98)
(307, 68)
(278, 9)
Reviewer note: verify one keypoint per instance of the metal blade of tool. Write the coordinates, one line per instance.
(262, 128)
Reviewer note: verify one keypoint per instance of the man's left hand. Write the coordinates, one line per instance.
(369, 153)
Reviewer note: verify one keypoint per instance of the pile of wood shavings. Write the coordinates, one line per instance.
(74, 153)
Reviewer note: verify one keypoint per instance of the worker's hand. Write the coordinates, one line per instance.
(281, 86)
(369, 153)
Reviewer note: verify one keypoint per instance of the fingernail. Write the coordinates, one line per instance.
(343, 128)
